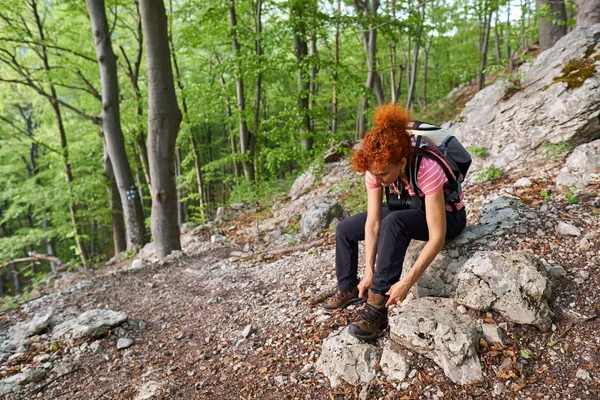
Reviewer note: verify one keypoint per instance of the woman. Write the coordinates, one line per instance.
(385, 154)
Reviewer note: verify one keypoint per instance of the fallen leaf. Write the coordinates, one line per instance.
(526, 353)
(542, 370)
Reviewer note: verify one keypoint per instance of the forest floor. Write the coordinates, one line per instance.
(214, 325)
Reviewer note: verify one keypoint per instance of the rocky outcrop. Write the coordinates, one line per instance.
(343, 357)
(431, 327)
(516, 132)
(92, 323)
(514, 284)
(23, 330)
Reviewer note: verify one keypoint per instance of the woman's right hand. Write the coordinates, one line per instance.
(365, 284)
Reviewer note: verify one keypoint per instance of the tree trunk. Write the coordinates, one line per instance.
(336, 64)
(588, 13)
(425, 69)
(199, 179)
(508, 50)
(81, 247)
(258, 92)
(550, 32)
(524, 45)
(111, 126)
(241, 101)
(164, 119)
(16, 279)
(314, 88)
(497, 37)
(118, 222)
(487, 19)
(297, 19)
(413, 76)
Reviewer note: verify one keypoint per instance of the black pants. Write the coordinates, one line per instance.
(397, 229)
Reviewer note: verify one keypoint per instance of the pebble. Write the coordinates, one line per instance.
(567, 229)
(583, 374)
(584, 244)
(124, 343)
(506, 364)
(499, 388)
(280, 379)
(585, 275)
(322, 318)
(248, 330)
(461, 309)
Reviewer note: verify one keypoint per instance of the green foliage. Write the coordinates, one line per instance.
(572, 197)
(490, 174)
(526, 353)
(555, 151)
(546, 195)
(478, 151)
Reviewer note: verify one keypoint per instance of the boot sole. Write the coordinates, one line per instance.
(348, 303)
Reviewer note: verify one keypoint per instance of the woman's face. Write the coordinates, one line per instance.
(388, 173)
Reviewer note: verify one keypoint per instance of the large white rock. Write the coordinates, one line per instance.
(515, 284)
(431, 327)
(395, 361)
(21, 331)
(515, 132)
(343, 357)
(318, 215)
(580, 167)
(92, 323)
(302, 184)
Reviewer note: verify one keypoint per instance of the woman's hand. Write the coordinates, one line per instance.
(398, 292)
(365, 284)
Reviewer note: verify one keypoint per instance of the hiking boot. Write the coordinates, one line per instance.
(371, 319)
(341, 299)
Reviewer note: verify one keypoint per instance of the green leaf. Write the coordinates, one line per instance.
(526, 353)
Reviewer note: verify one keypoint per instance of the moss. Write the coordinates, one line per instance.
(575, 72)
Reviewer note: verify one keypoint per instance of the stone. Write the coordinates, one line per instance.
(302, 184)
(515, 132)
(432, 327)
(584, 244)
(343, 357)
(26, 375)
(585, 275)
(394, 361)
(506, 364)
(567, 229)
(217, 239)
(580, 167)
(592, 235)
(555, 271)
(337, 152)
(23, 330)
(499, 389)
(492, 333)
(92, 323)
(63, 368)
(514, 284)
(136, 264)
(149, 390)
(583, 375)
(522, 182)
(318, 214)
(124, 343)
(248, 330)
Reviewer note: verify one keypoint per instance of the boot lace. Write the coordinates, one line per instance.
(369, 313)
(340, 294)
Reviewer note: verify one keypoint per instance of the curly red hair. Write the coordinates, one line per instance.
(388, 142)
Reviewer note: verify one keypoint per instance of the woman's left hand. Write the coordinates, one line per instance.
(397, 292)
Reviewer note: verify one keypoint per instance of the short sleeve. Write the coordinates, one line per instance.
(370, 181)
(431, 177)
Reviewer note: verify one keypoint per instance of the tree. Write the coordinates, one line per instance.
(164, 119)
(552, 23)
(588, 13)
(111, 126)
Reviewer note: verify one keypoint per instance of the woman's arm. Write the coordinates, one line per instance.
(374, 197)
(436, 224)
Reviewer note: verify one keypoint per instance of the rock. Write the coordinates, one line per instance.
(502, 213)
(499, 389)
(148, 252)
(302, 184)
(567, 229)
(318, 215)
(248, 330)
(26, 375)
(63, 368)
(506, 364)
(522, 182)
(583, 375)
(185, 228)
(580, 167)
(492, 333)
(124, 343)
(394, 361)
(514, 284)
(431, 327)
(135, 265)
(217, 239)
(280, 379)
(592, 235)
(149, 390)
(584, 244)
(515, 131)
(322, 318)
(337, 152)
(21, 331)
(555, 271)
(343, 357)
(92, 323)
(585, 275)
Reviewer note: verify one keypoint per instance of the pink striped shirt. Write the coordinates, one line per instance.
(430, 179)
